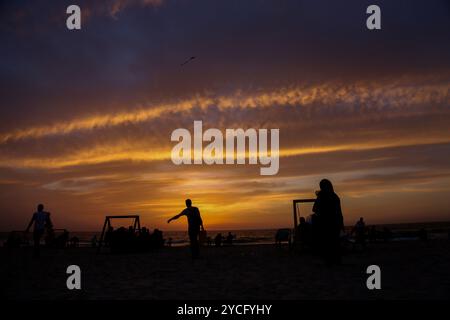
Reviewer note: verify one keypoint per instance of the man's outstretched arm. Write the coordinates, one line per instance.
(175, 217)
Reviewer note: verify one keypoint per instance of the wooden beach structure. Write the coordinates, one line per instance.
(107, 225)
(296, 214)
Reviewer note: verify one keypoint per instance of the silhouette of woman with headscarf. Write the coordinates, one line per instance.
(329, 215)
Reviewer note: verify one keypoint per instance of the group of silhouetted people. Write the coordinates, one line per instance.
(321, 232)
(220, 240)
(130, 240)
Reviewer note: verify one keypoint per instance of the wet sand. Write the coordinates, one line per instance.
(410, 270)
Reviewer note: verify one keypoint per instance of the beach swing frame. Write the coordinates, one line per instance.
(107, 224)
(296, 212)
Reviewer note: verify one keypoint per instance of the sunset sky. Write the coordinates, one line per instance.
(86, 116)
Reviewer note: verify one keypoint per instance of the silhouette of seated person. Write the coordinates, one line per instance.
(62, 239)
(304, 232)
(157, 239)
(131, 239)
(360, 232)
(229, 239)
(202, 236)
(195, 224)
(119, 240)
(218, 240)
(282, 235)
(94, 241)
(42, 222)
(144, 240)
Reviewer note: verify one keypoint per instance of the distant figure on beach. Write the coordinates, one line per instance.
(218, 240)
(229, 239)
(144, 240)
(360, 232)
(94, 241)
(202, 236)
(61, 240)
(195, 224)
(282, 235)
(41, 220)
(304, 231)
(157, 239)
(329, 214)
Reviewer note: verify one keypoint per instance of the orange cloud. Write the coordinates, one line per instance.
(125, 152)
(379, 96)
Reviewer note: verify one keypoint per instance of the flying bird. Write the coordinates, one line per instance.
(187, 61)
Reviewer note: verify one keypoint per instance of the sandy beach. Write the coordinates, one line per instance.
(410, 270)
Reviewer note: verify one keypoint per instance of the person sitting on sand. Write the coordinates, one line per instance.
(157, 239)
(61, 240)
(229, 239)
(41, 220)
(304, 232)
(218, 240)
(94, 241)
(195, 223)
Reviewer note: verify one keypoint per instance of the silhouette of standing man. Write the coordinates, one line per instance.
(41, 220)
(194, 224)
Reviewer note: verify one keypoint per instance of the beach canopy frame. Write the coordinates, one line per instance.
(296, 210)
(296, 213)
(107, 225)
